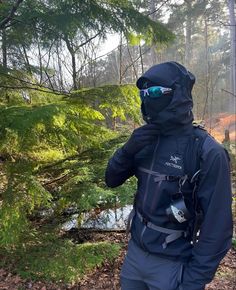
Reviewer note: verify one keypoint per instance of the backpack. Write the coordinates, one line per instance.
(194, 152)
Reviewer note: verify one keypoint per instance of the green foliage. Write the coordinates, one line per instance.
(62, 128)
(112, 100)
(70, 18)
(86, 188)
(54, 156)
(11, 79)
(21, 194)
(57, 260)
(54, 23)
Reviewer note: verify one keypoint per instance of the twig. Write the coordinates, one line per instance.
(134, 61)
(35, 89)
(31, 84)
(224, 24)
(56, 179)
(228, 92)
(154, 11)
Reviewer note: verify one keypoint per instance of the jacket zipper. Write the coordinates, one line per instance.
(149, 175)
(146, 191)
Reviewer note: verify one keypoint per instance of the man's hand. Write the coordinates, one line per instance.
(141, 137)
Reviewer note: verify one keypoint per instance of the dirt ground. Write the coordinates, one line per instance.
(107, 277)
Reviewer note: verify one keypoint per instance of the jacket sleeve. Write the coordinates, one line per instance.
(214, 195)
(120, 167)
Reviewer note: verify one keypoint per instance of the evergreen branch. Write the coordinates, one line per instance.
(11, 14)
(74, 156)
(71, 157)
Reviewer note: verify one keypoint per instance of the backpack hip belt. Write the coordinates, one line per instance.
(172, 234)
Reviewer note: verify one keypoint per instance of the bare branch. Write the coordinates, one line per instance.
(35, 89)
(154, 11)
(31, 86)
(87, 41)
(224, 24)
(56, 179)
(135, 60)
(11, 14)
(228, 92)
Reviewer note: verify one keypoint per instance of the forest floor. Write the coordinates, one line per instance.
(107, 276)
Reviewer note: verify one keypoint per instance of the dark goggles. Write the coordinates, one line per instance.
(154, 92)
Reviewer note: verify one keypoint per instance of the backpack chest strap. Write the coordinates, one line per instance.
(161, 177)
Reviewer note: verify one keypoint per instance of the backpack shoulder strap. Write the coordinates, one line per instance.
(193, 151)
(193, 166)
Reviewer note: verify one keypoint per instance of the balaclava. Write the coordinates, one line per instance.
(172, 111)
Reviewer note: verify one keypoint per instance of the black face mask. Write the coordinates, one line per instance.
(151, 107)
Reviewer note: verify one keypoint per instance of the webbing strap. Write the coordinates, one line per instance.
(129, 221)
(158, 176)
(172, 234)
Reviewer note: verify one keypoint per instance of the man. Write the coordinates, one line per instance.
(183, 185)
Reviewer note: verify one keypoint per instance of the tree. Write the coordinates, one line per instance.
(56, 152)
(205, 51)
(8, 9)
(75, 24)
(231, 5)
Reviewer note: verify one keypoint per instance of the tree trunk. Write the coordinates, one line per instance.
(26, 60)
(4, 48)
(141, 57)
(188, 37)
(231, 4)
(73, 62)
(40, 63)
(120, 60)
(153, 53)
(74, 71)
(205, 109)
(132, 62)
(60, 78)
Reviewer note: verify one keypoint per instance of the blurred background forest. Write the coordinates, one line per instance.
(68, 100)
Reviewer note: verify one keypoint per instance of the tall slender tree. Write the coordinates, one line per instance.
(231, 5)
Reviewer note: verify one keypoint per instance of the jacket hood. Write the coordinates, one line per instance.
(178, 114)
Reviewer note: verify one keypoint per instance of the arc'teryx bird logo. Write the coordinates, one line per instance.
(175, 159)
(174, 162)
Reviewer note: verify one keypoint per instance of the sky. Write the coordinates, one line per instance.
(109, 44)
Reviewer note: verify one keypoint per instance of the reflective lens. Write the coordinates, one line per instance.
(154, 92)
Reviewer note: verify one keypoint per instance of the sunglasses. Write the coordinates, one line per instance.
(154, 92)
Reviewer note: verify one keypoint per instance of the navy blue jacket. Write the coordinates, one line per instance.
(167, 155)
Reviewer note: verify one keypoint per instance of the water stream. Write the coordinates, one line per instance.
(110, 219)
